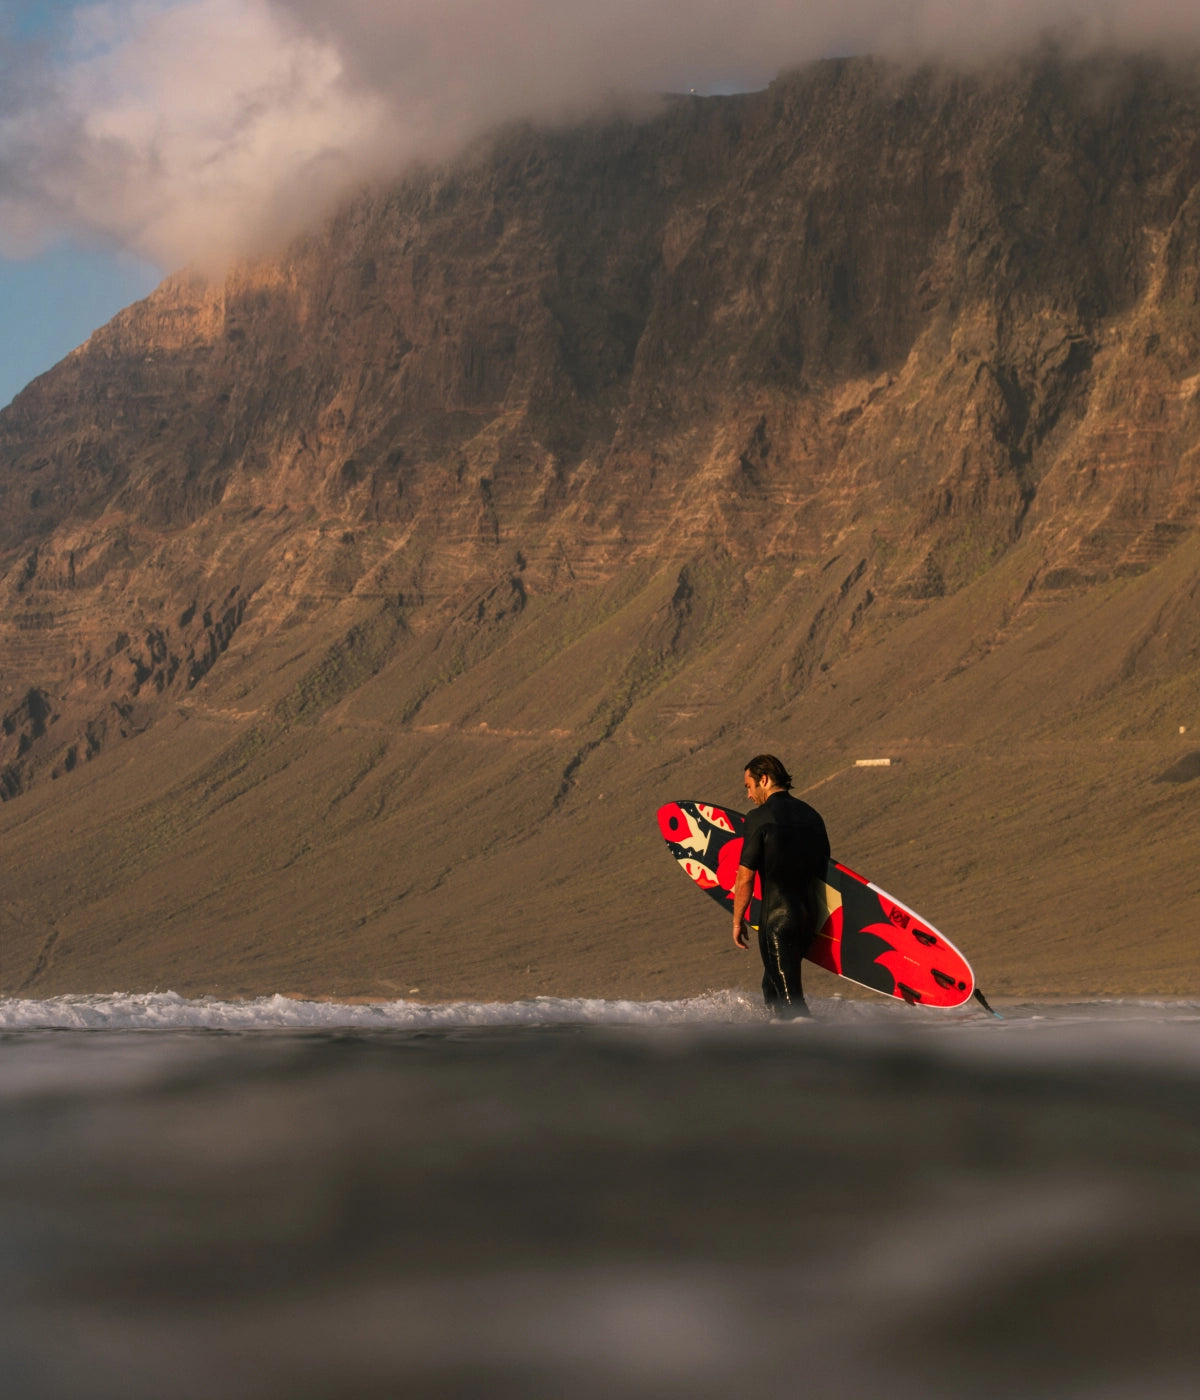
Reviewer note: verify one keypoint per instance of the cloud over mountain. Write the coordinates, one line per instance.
(191, 130)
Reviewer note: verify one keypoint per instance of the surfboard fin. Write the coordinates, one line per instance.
(982, 1000)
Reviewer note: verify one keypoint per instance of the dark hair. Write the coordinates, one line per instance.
(766, 765)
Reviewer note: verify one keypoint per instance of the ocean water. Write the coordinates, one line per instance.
(582, 1198)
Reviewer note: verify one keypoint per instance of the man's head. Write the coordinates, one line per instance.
(765, 775)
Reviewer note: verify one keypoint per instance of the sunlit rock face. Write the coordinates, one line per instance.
(806, 365)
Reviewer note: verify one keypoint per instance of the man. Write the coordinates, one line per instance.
(787, 846)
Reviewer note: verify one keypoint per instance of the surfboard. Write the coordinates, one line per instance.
(866, 935)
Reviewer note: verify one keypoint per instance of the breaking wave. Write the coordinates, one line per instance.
(169, 1011)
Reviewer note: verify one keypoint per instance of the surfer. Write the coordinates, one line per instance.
(788, 848)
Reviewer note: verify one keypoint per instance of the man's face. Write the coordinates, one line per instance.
(757, 789)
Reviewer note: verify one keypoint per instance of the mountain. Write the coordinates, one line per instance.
(358, 610)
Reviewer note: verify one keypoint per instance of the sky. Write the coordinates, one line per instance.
(137, 136)
(56, 291)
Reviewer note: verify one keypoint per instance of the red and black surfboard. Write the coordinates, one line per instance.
(866, 935)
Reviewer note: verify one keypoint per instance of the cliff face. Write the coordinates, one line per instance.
(636, 437)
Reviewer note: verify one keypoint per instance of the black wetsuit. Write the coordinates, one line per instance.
(787, 845)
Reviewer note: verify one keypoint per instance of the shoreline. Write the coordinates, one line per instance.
(1010, 1000)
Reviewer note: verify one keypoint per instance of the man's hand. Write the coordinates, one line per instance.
(743, 888)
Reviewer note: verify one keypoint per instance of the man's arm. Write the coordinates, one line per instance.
(743, 889)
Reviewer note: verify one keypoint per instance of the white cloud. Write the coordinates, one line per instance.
(183, 132)
(189, 130)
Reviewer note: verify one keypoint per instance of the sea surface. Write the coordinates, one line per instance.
(560, 1198)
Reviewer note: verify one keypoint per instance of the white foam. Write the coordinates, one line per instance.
(169, 1011)
(1110, 1023)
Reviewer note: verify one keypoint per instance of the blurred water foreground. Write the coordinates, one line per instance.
(280, 1199)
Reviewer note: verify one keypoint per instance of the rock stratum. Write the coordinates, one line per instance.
(359, 610)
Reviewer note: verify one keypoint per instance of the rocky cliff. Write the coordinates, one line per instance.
(423, 560)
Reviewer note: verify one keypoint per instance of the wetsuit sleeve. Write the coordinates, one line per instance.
(752, 848)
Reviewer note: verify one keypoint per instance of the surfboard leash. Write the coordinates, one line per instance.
(982, 1000)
